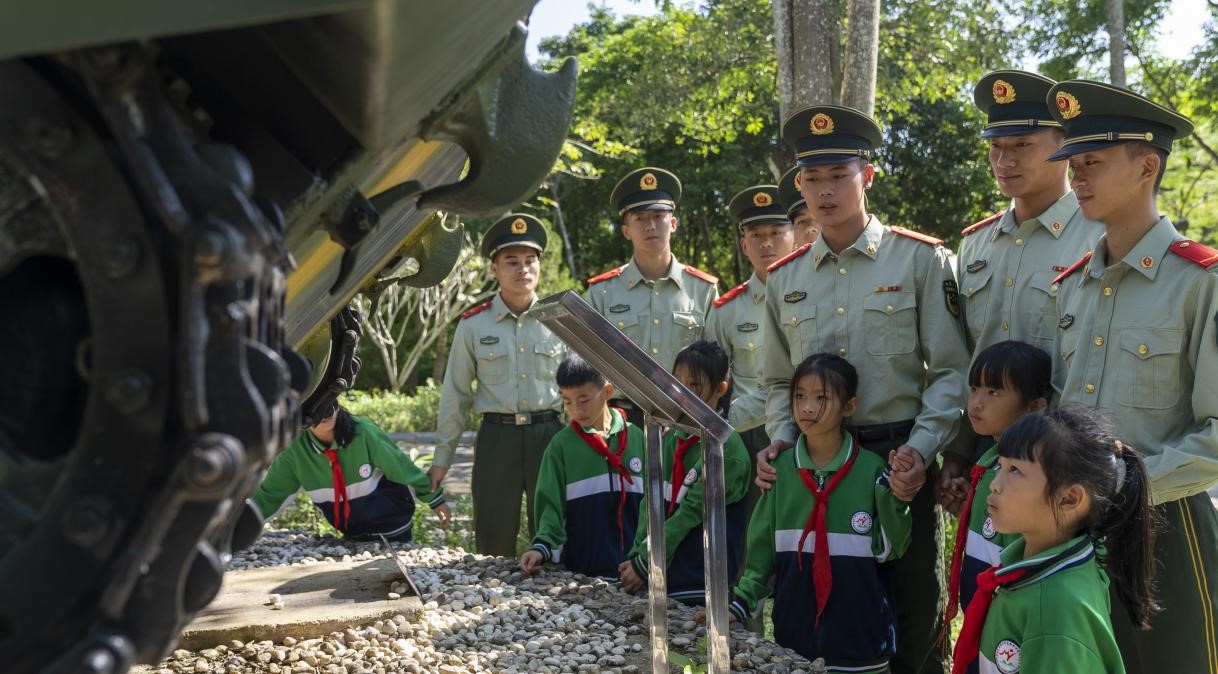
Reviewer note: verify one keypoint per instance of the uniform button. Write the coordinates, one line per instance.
(888, 309)
(1018, 242)
(1099, 341)
(1089, 388)
(654, 350)
(841, 311)
(969, 291)
(1142, 349)
(657, 293)
(522, 349)
(621, 324)
(792, 320)
(841, 270)
(1107, 292)
(1010, 282)
(523, 376)
(691, 321)
(816, 258)
(1053, 287)
(655, 321)
(1005, 327)
(842, 352)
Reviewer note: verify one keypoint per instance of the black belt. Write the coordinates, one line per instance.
(520, 418)
(897, 430)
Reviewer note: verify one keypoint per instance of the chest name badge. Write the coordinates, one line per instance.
(1065, 321)
(792, 298)
(861, 522)
(636, 465)
(747, 327)
(987, 527)
(691, 476)
(488, 340)
(1006, 656)
(619, 308)
(975, 266)
(365, 471)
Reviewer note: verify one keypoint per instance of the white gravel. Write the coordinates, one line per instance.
(481, 615)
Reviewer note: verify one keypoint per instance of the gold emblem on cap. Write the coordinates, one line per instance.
(1003, 92)
(821, 124)
(648, 181)
(519, 226)
(1068, 105)
(762, 199)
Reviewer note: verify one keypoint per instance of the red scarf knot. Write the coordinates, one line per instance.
(968, 646)
(678, 469)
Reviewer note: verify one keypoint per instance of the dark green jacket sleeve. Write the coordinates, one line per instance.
(550, 502)
(397, 465)
(754, 583)
(279, 484)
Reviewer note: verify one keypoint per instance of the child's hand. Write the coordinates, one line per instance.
(953, 496)
(908, 473)
(530, 562)
(700, 615)
(766, 475)
(631, 582)
(900, 462)
(444, 514)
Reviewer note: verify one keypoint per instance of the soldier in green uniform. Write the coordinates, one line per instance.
(659, 303)
(1138, 340)
(805, 228)
(885, 299)
(513, 357)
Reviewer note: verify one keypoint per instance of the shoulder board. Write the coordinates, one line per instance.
(731, 295)
(981, 225)
(474, 311)
(789, 256)
(698, 273)
(1073, 268)
(605, 276)
(1197, 253)
(917, 236)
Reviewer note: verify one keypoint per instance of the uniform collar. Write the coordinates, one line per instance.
(1147, 255)
(756, 289)
(633, 276)
(868, 243)
(1067, 555)
(615, 424)
(1055, 219)
(316, 445)
(803, 460)
(501, 310)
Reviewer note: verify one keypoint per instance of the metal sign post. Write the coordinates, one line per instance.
(665, 402)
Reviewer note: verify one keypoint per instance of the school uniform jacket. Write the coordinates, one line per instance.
(379, 477)
(866, 526)
(578, 495)
(983, 545)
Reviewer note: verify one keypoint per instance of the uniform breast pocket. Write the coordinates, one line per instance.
(687, 326)
(976, 298)
(1149, 374)
(1039, 310)
(629, 325)
(891, 322)
(799, 323)
(493, 364)
(547, 355)
(745, 357)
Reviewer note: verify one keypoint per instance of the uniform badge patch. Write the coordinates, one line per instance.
(1068, 105)
(792, 298)
(975, 266)
(1006, 656)
(821, 124)
(987, 527)
(747, 327)
(519, 226)
(619, 308)
(365, 471)
(1065, 321)
(861, 522)
(951, 297)
(488, 340)
(691, 476)
(636, 465)
(761, 200)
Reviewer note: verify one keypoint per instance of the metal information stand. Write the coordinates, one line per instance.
(665, 403)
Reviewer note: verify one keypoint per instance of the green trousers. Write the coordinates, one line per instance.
(506, 462)
(917, 582)
(1182, 637)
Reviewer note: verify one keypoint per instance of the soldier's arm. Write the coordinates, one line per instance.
(456, 395)
(943, 350)
(776, 371)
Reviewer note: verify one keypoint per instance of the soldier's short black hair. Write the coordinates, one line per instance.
(574, 371)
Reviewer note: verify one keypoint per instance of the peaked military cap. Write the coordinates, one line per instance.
(757, 205)
(1096, 115)
(829, 134)
(1015, 101)
(646, 189)
(788, 193)
(513, 229)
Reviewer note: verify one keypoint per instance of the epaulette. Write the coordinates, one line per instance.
(474, 311)
(917, 236)
(788, 257)
(1073, 268)
(698, 273)
(1197, 253)
(981, 225)
(731, 295)
(605, 276)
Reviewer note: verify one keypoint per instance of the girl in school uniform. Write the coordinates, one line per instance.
(823, 532)
(702, 367)
(1079, 501)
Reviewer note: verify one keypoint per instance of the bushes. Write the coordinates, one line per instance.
(401, 413)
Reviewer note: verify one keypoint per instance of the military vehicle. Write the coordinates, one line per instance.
(190, 194)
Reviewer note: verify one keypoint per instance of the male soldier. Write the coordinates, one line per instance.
(513, 357)
(1137, 335)
(656, 301)
(883, 298)
(806, 229)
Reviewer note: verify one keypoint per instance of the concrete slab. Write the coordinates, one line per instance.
(317, 599)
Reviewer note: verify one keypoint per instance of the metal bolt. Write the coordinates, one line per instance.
(129, 391)
(87, 522)
(213, 461)
(98, 661)
(120, 257)
(49, 137)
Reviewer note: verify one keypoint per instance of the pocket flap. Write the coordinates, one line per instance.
(794, 314)
(623, 322)
(971, 284)
(546, 349)
(890, 303)
(1149, 342)
(687, 319)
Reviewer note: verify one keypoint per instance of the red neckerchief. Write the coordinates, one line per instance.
(968, 646)
(678, 469)
(342, 505)
(953, 593)
(822, 569)
(596, 442)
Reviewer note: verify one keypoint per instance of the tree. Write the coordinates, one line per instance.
(1115, 26)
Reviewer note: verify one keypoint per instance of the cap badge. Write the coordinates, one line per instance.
(1068, 105)
(1148, 262)
(1003, 92)
(519, 226)
(762, 199)
(648, 181)
(821, 124)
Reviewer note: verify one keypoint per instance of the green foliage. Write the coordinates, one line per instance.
(399, 412)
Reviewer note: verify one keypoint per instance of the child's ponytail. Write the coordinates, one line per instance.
(1127, 526)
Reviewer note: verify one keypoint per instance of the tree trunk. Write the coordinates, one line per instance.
(560, 222)
(862, 52)
(805, 32)
(1116, 42)
(437, 368)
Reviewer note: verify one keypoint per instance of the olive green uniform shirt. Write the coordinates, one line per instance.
(513, 358)
(661, 316)
(886, 305)
(1138, 340)
(1006, 272)
(736, 325)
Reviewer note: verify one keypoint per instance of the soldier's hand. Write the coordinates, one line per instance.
(906, 483)
(437, 473)
(530, 562)
(954, 467)
(955, 493)
(444, 514)
(765, 471)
